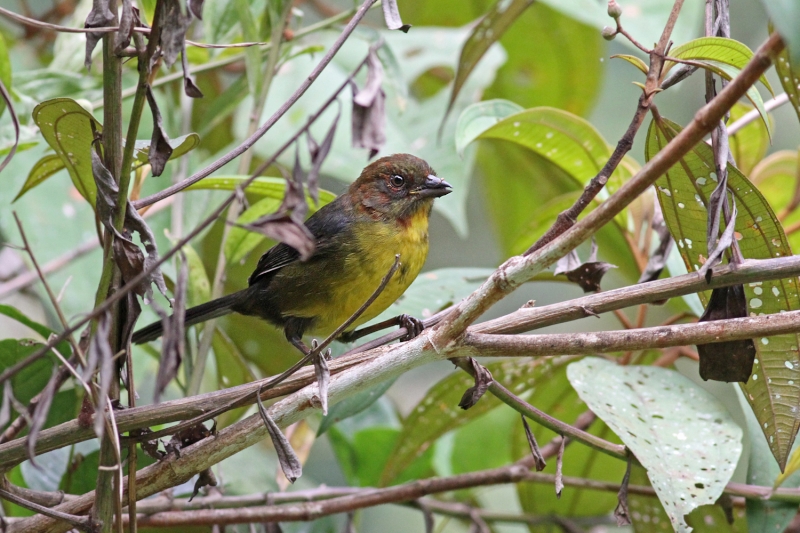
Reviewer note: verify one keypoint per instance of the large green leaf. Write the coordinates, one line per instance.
(556, 398)
(775, 176)
(774, 388)
(67, 127)
(481, 116)
(788, 70)
(785, 14)
(491, 27)
(765, 516)
(680, 433)
(726, 51)
(438, 412)
(42, 169)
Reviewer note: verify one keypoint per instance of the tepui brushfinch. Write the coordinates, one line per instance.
(383, 213)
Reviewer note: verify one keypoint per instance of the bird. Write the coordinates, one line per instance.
(384, 213)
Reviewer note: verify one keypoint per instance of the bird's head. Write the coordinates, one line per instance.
(398, 186)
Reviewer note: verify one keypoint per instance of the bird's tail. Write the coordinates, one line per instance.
(195, 315)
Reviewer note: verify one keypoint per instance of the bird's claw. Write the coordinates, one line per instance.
(414, 326)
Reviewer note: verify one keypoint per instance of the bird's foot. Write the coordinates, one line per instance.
(414, 326)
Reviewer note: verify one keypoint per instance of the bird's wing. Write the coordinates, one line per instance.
(325, 225)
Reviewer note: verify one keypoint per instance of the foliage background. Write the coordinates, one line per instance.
(550, 57)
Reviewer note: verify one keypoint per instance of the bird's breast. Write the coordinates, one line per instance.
(369, 262)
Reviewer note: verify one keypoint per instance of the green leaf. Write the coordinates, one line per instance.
(748, 145)
(352, 405)
(766, 516)
(491, 27)
(635, 61)
(728, 72)
(556, 398)
(683, 193)
(42, 169)
(785, 14)
(680, 433)
(721, 49)
(199, 287)
(67, 128)
(232, 370)
(788, 70)
(180, 146)
(438, 412)
(266, 186)
(252, 54)
(29, 381)
(481, 116)
(775, 176)
(14, 313)
(241, 241)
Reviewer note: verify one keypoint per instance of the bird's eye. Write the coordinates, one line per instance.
(396, 181)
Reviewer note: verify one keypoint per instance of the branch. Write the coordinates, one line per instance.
(519, 269)
(750, 270)
(732, 329)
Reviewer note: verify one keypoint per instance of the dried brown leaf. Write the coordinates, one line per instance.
(196, 8)
(173, 338)
(658, 259)
(126, 23)
(206, 478)
(621, 513)
(483, 378)
(290, 464)
(100, 351)
(160, 150)
(39, 415)
(587, 275)
(728, 361)
(174, 23)
(189, 86)
(538, 461)
(14, 121)
(99, 17)
(391, 14)
(369, 108)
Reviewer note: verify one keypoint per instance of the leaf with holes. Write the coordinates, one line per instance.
(556, 398)
(789, 76)
(67, 128)
(680, 433)
(683, 193)
(438, 412)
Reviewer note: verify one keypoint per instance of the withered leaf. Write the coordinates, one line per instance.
(392, 16)
(106, 206)
(727, 361)
(99, 17)
(658, 259)
(483, 378)
(189, 86)
(131, 310)
(318, 154)
(196, 8)
(538, 461)
(5, 405)
(206, 478)
(173, 339)
(39, 416)
(369, 108)
(160, 150)
(589, 274)
(174, 23)
(100, 351)
(621, 513)
(286, 225)
(129, 258)
(290, 464)
(559, 484)
(126, 23)
(272, 527)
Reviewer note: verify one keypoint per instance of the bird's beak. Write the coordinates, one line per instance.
(434, 187)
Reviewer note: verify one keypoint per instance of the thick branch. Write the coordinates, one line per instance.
(488, 345)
